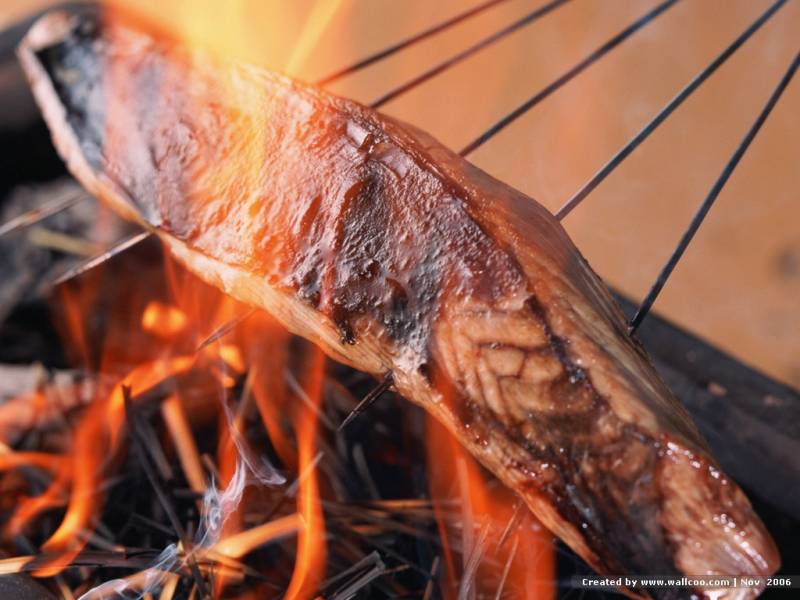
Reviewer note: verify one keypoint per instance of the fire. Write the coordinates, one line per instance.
(103, 435)
(103, 432)
(177, 422)
(149, 354)
(269, 33)
(96, 440)
(163, 320)
(310, 562)
(493, 523)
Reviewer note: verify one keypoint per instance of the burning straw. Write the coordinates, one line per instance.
(223, 470)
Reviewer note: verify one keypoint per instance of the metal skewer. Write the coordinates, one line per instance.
(665, 112)
(90, 264)
(566, 77)
(464, 54)
(697, 220)
(40, 213)
(414, 39)
(368, 400)
(225, 329)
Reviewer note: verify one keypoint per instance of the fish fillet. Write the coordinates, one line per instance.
(395, 255)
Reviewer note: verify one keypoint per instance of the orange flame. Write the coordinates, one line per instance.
(269, 391)
(96, 441)
(163, 320)
(177, 323)
(178, 424)
(491, 524)
(238, 545)
(270, 33)
(311, 555)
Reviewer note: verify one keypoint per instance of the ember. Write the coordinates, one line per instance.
(248, 469)
(197, 449)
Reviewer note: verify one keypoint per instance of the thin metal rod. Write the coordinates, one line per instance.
(697, 220)
(464, 54)
(368, 400)
(35, 215)
(423, 35)
(665, 112)
(566, 77)
(225, 329)
(93, 262)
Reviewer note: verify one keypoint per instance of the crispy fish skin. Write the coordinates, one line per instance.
(393, 254)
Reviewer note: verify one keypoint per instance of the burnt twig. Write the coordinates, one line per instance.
(152, 477)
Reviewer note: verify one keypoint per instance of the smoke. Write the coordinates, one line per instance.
(153, 578)
(217, 506)
(260, 468)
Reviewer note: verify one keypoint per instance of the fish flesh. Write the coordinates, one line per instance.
(396, 256)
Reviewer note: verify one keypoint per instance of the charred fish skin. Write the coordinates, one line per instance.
(376, 242)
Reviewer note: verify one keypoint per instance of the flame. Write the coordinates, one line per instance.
(269, 392)
(310, 561)
(177, 422)
(491, 524)
(233, 357)
(246, 31)
(97, 439)
(54, 496)
(163, 320)
(241, 544)
(151, 345)
(99, 436)
(42, 460)
(72, 324)
(270, 33)
(317, 21)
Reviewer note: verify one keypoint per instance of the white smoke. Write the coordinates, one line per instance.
(217, 507)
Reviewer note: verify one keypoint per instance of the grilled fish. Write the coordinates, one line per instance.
(394, 255)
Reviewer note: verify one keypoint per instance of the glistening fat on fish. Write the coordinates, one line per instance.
(393, 254)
